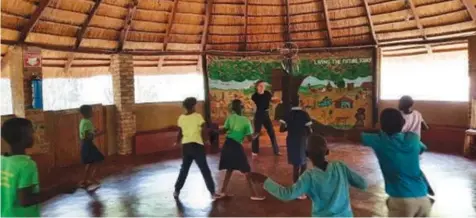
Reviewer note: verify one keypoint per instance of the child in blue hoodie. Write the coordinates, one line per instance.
(398, 156)
(327, 183)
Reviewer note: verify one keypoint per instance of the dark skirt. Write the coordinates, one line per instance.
(296, 147)
(233, 157)
(90, 153)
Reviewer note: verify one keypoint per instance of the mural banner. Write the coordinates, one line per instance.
(336, 92)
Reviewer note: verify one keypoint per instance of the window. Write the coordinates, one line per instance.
(67, 93)
(6, 98)
(435, 77)
(168, 87)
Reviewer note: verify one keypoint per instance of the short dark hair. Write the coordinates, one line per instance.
(236, 106)
(405, 103)
(391, 121)
(85, 109)
(317, 148)
(258, 82)
(189, 103)
(13, 130)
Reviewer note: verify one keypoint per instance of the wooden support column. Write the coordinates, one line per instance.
(17, 80)
(376, 66)
(122, 70)
(472, 80)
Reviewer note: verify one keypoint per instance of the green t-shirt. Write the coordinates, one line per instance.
(18, 171)
(238, 127)
(85, 126)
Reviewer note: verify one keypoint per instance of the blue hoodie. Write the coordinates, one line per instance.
(398, 157)
(328, 190)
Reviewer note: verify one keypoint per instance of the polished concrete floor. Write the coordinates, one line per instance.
(143, 186)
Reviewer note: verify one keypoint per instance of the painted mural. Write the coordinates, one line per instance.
(234, 79)
(337, 92)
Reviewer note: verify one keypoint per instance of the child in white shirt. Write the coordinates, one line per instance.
(413, 119)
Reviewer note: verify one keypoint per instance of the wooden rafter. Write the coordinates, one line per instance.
(417, 19)
(82, 32)
(35, 17)
(328, 22)
(470, 8)
(80, 35)
(167, 33)
(127, 25)
(371, 24)
(243, 45)
(204, 39)
(287, 30)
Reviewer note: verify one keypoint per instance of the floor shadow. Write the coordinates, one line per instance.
(95, 207)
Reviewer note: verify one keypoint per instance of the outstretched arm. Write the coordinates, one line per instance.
(288, 193)
(355, 179)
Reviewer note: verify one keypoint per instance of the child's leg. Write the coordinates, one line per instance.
(86, 176)
(303, 169)
(226, 181)
(201, 160)
(253, 191)
(295, 173)
(94, 171)
(186, 163)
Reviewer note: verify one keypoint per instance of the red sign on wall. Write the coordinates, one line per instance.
(32, 58)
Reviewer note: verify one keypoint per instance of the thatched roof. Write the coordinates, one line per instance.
(188, 28)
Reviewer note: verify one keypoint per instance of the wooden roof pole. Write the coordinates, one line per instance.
(35, 17)
(287, 30)
(244, 44)
(167, 34)
(371, 24)
(420, 27)
(204, 39)
(328, 23)
(127, 25)
(80, 35)
(471, 9)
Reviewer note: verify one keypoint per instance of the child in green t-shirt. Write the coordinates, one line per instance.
(233, 156)
(90, 155)
(20, 191)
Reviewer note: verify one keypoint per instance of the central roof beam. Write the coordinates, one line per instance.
(328, 22)
(35, 17)
(127, 25)
(167, 33)
(371, 24)
(420, 27)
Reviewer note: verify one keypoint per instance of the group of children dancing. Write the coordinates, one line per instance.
(397, 147)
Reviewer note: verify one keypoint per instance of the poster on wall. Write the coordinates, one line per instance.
(335, 92)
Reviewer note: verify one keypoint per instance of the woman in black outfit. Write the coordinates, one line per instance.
(262, 100)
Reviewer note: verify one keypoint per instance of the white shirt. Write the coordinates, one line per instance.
(413, 122)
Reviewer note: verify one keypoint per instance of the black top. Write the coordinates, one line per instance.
(297, 122)
(262, 100)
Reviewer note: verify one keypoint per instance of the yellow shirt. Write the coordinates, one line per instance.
(191, 126)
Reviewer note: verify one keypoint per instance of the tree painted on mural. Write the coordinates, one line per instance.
(241, 70)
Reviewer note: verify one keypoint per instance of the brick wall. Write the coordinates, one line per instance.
(122, 71)
(42, 144)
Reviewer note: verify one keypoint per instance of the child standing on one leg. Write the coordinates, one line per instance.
(233, 155)
(414, 122)
(327, 183)
(191, 136)
(298, 124)
(398, 155)
(90, 155)
(20, 188)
